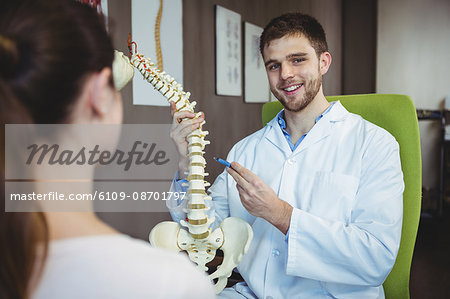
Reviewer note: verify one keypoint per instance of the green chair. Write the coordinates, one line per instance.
(396, 114)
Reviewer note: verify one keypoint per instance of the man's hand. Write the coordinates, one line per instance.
(259, 199)
(182, 125)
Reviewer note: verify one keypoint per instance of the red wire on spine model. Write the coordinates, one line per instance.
(130, 48)
(97, 4)
(130, 54)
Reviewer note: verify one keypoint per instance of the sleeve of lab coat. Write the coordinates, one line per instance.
(219, 208)
(219, 192)
(362, 251)
(177, 206)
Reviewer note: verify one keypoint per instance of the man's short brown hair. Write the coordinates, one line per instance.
(295, 24)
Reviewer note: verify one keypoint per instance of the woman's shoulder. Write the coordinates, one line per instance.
(114, 266)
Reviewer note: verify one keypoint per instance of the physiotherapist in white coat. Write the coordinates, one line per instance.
(321, 187)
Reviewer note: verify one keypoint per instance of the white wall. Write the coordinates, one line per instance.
(413, 58)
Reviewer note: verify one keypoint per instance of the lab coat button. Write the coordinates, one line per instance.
(291, 161)
(275, 252)
(269, 297)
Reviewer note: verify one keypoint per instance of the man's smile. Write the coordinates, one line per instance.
(292, 89)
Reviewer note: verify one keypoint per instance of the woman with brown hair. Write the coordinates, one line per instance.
(55, 68)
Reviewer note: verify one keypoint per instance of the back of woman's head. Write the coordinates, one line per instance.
(47, 49)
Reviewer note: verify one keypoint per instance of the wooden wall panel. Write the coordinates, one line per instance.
(359, 44)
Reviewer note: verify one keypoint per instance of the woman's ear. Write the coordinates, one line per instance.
(325, 62)
(99, 101)
(100, 92)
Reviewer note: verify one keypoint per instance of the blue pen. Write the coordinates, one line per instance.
(222, 161)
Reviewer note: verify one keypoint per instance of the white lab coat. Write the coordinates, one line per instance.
(345, 183)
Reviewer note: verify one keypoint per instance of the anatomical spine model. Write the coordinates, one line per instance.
(234, 235)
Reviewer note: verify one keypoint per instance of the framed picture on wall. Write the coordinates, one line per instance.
(256, 85)
(228, 52)
(144, 19)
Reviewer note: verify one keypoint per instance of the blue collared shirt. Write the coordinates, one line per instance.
(282, 123)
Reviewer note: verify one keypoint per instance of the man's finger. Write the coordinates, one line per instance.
(238, 178)
(244, 172)
(186, 130)
(173, 108)
(240, 190)
(186, 126)
(180, 115)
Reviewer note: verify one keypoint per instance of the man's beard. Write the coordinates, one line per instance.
(312, 87)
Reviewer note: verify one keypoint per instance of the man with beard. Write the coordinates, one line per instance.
(321, 187)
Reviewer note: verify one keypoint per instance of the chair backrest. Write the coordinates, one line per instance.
(396, 114)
